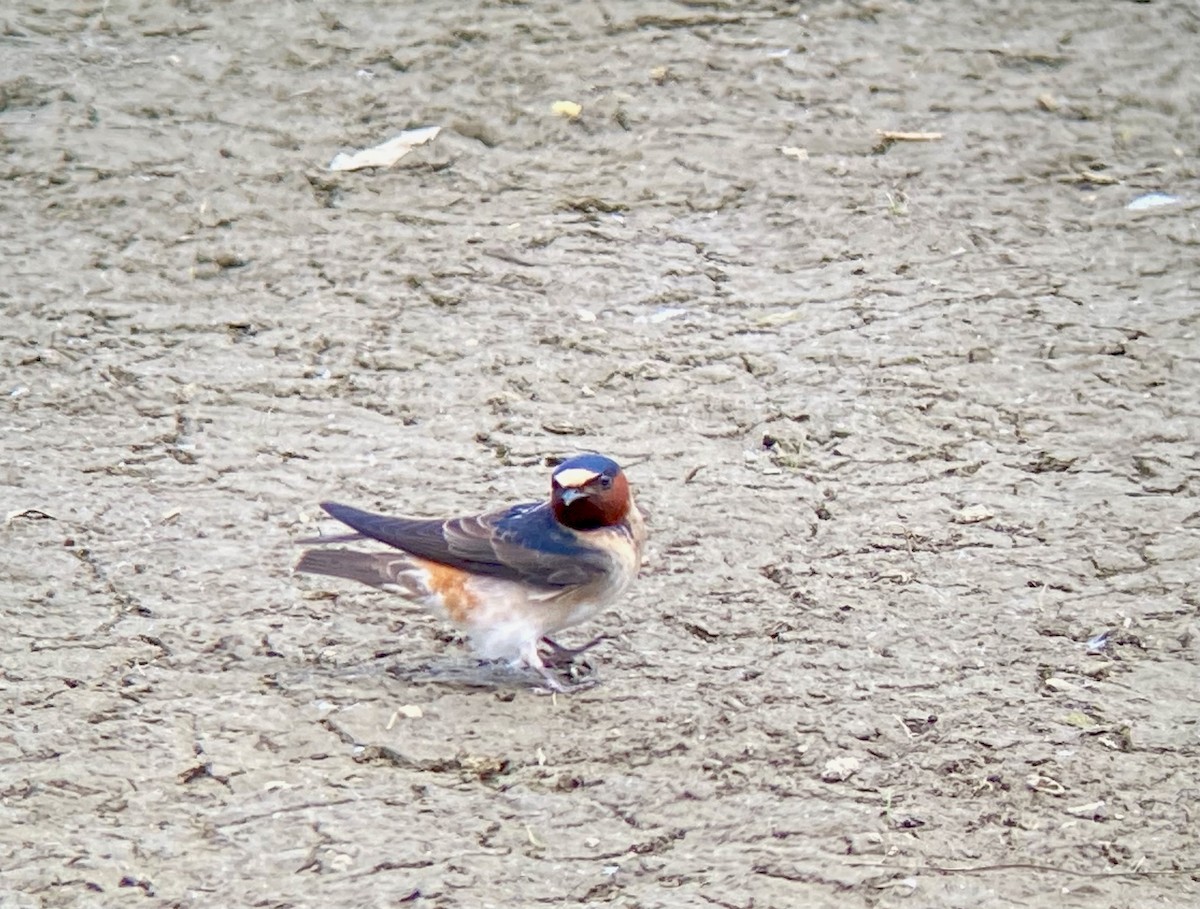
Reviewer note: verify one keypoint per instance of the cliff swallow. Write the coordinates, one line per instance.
(508, 578)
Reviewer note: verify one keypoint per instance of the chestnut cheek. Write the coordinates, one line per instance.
(614, 504)
(619, 493)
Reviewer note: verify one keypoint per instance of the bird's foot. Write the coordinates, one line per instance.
(560, 657)
(559, 674)
(554, 683)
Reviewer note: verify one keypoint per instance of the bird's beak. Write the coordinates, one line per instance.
(571, 494)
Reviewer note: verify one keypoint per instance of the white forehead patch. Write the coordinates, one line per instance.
(575, 477)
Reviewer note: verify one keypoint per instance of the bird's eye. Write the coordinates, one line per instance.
(605, 481)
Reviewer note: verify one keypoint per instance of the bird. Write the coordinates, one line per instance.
(509, 578)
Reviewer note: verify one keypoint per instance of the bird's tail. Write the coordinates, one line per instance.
(377, 569)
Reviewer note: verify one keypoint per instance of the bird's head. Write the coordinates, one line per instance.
(589, 491)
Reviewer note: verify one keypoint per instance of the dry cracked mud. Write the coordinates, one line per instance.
(915, 421)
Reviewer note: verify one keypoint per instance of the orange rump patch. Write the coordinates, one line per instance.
(450, 585)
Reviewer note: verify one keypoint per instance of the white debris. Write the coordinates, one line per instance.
(1152, 200)
(387, 153)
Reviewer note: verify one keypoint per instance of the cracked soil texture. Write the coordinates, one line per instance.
(916, 424)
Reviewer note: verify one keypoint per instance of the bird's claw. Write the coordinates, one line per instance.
(560, 657)
(553, 683)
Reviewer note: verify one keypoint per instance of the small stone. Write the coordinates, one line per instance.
(840, 769)
(972, 514)
(1093, 810)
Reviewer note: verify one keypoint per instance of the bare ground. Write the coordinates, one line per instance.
(915, 423)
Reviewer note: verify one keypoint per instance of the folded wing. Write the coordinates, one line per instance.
(523, 543)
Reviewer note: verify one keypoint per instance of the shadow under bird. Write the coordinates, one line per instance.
(510, 578)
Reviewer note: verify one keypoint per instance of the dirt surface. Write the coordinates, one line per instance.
(915, 423)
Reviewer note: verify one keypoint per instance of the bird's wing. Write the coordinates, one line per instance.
(523, 543)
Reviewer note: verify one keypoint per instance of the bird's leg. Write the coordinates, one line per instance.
(560, 656)
(554, 683)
